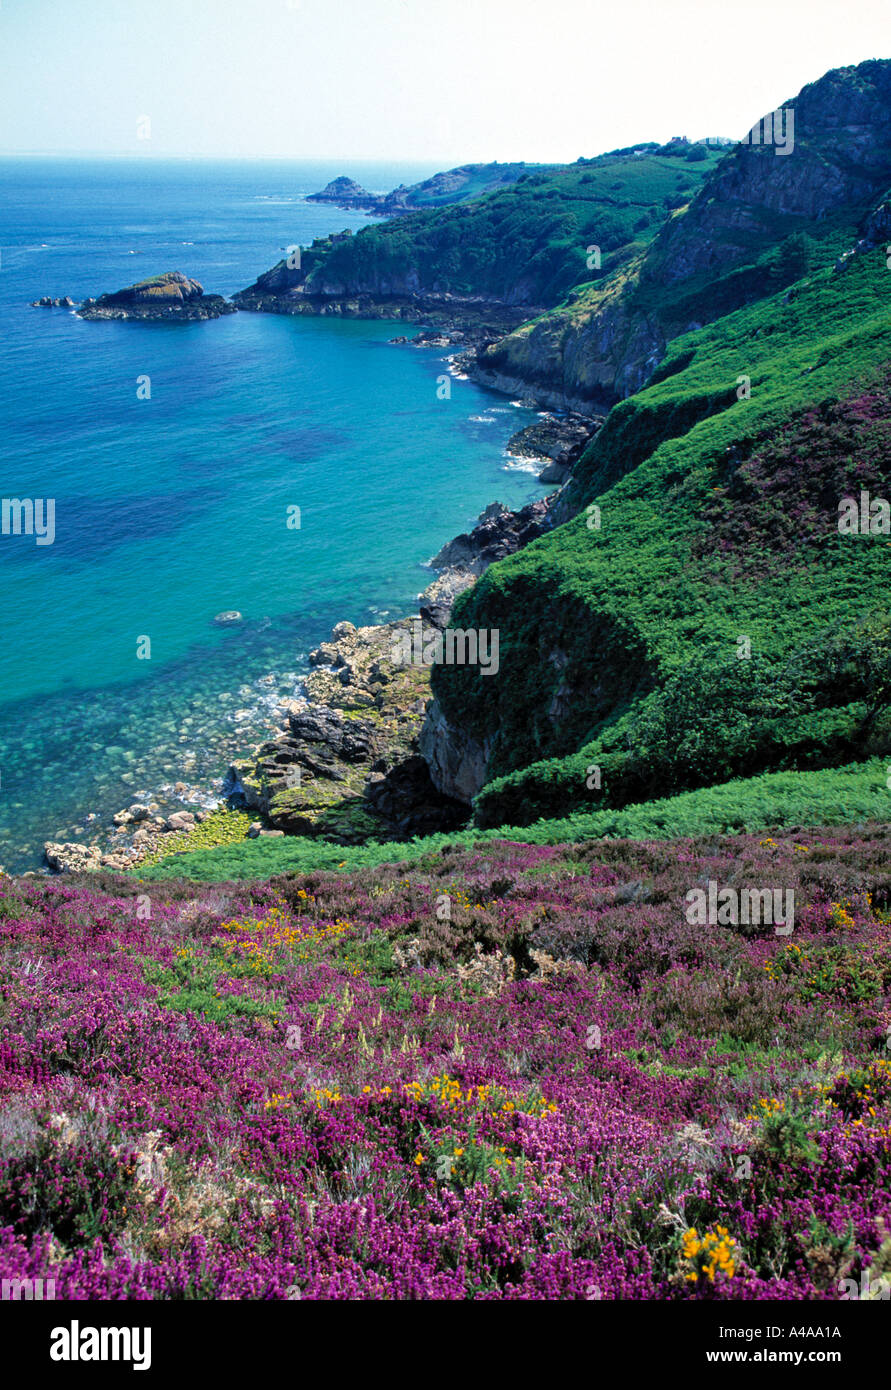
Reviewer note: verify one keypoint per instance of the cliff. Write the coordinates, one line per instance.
(738, 239)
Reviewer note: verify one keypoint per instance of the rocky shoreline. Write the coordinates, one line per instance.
(350, 765)
(140, 831)
(467, 321)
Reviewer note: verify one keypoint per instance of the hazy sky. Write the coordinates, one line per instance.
(388, 79)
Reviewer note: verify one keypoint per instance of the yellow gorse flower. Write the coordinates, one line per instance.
(714, 1252)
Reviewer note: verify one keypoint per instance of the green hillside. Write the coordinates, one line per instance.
(718, 520)
(526, 244)
(695, 614)
(462, 184)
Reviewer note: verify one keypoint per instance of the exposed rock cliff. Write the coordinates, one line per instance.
(347, 766)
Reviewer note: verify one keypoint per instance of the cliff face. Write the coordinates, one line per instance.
(838, 156)
(585, 356)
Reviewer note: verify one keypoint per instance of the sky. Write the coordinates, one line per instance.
(455, 82)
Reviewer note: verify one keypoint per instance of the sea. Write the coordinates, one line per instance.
(175, 455)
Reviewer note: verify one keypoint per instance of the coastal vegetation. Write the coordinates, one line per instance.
(526, 244)
(855, 794)
(504, 1072)
(504, 1060)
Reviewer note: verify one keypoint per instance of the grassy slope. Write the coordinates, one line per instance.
(477, 179)
(591, 621)
(527, 242)
(835, 796)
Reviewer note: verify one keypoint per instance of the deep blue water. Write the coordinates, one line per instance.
(171, 509)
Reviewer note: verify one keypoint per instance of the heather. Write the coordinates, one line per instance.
(504, 1071)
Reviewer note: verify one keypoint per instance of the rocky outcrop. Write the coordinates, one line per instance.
(171, 297)
(46, 302)
(345, 193)
(498, 533)
(840, 156)
(348, 766)
(561, 440)
(457, 762)
(876, 231)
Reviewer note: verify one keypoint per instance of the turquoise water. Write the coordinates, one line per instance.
(171, 509)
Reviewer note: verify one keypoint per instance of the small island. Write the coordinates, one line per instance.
(168, 297)
(345, 193)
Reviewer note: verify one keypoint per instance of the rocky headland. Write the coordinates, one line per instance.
(442, 189)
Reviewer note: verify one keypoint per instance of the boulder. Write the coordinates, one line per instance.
(72, 858)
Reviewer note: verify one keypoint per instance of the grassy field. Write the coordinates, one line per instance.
(832, 797)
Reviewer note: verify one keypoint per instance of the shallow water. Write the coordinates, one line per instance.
(172, 508)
